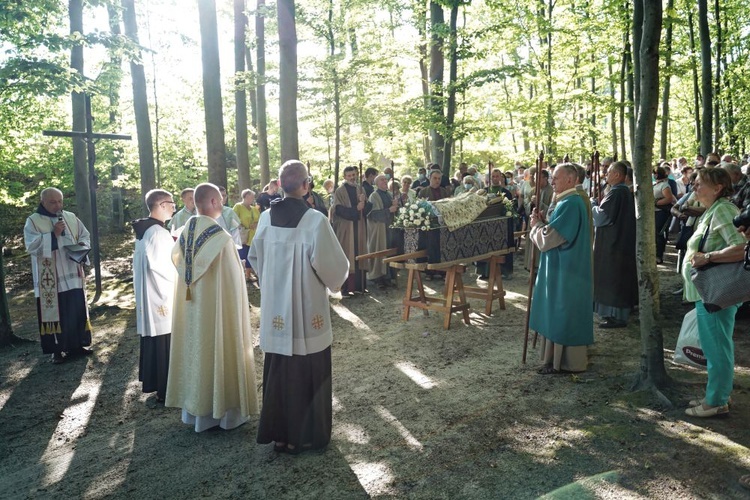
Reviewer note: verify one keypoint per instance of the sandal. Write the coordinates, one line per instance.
(279, 447)
(703, 412)
(698, 402)
(548, 370)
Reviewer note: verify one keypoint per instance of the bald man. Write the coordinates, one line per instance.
(211, 363)
(57, 242)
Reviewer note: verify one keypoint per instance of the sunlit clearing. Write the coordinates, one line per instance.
(352, 318)
(545, 448)
(73, 422)
(337, 406)
(517, 300)
(413, 443)
(415, 375)
(122, 444)
(713, 442)
(352, 432)
(15, 373)
(602, 485)
(375, 478)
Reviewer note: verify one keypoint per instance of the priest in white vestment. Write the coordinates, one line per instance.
(154, 279)
(211, 364)
(296, 256)
(58, 242)
(179, 219)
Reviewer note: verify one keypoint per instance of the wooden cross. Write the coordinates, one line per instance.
(90, 138)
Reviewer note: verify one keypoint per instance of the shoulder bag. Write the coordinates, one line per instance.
(722, 285)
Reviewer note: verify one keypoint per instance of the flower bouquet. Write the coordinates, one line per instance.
(416, 215)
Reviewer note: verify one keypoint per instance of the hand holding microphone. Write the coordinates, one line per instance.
(60, 225)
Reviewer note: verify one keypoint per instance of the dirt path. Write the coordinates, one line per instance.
(419, 412)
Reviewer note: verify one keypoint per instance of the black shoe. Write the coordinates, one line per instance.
(83, 351)
(612, 323)
(483, 277)
(57, 358)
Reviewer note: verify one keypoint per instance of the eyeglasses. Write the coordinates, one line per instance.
(170, 202)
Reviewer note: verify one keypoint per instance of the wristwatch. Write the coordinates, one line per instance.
(708, 256)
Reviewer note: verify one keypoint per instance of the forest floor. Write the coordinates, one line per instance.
(419, 412)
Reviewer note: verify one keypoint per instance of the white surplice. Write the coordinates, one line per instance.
(154, 278)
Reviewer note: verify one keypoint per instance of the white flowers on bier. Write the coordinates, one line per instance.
(416, 215)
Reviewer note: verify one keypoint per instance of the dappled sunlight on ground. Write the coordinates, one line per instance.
(416, 375)
(346, 314)
(375, 477)
(352, 433)
(411, 441)
(14, 375)
(73, 424)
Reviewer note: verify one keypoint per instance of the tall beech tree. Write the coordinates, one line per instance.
(212, 104)
(240, 95)
(449, 139)
(437, 70)
(140, 100)
(289, 139)
(663, 142)
(260, 92)
(652, 373)
(706, 146)
(80, 165)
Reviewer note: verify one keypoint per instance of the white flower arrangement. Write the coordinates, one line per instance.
(415, 215)
(510, 208)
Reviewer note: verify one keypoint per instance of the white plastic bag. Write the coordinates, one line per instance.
(688, 350)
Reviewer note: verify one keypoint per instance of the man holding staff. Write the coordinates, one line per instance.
(563, 293)
(350, 207)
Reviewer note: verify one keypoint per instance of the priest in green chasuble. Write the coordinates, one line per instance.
(563, 292)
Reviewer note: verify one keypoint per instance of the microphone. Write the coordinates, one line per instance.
(60, 219)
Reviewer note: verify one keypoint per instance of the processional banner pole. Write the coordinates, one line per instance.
(532, 248)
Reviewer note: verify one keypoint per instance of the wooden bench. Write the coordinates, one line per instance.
(389, 252)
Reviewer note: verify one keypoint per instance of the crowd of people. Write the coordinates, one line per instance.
(190, 268)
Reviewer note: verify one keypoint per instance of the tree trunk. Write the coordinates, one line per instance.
(336, 97)
(287, 80)
(212, 106)
(117, 215)
(240, 96)
(623, 80)
(696, 87)
(717, 83)
(592, 119)
(667, 80)
(524, 127)
(437, 68)
(260, 91)
(652, 349)
(631, 97)
(140, 102)
(550, 121)
(6, 329)
(510, 113)
(421, 28)
(452, 76)
(637, 38)
(613, 112)
(80, 165)
(706, 78)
